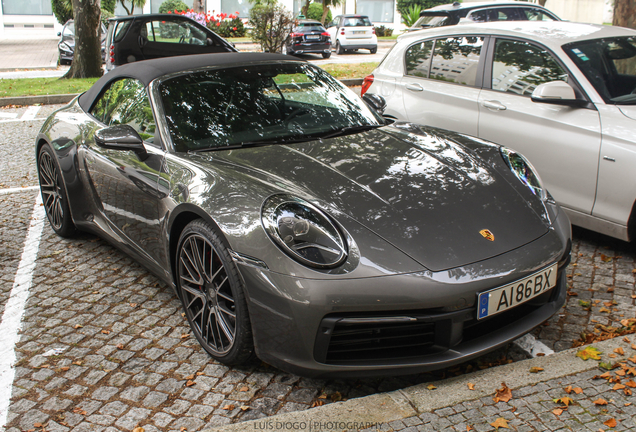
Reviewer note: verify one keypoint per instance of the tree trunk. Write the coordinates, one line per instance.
(325, 11)
(199, 6)
(87, 59)
(624, 13)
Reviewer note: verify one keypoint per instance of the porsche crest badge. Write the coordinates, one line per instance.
(487, 235)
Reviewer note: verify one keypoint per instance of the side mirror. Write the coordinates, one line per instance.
(375, 102)
(59, 33)
(555, 92)
(121, 137)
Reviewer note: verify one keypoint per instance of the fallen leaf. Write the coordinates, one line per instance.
(64, 368)
(244, 389)
(627, 392)
(535, 369)
(606, 258)
(564, 400)
(77, 326)
(618, 387)
(244, 408)
(190, 383)
(189, 377)
(604, 309)
(619, 351)
(627, 403)
(431, 387)
(589, 353)
(631, 384)
(471, 386)
(504, 394)
(38, 425)
(626, 339)
(183, 336)
(335, 397)
(578, 390)
(610, 423)
(557, 411)
(317, 403)
(106, 331)
(469, 428)
(139, 429)
(323, 396)
(77, 362)
(568, 389)
(200, 373)
(611, 355)
(500, 423)
(120, 346)
(133, 305)
(183, 429)
(620, 372)
(600, 401)
(231, 407)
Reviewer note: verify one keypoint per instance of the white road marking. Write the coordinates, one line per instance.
(30, 113)
(14, 308)
(532, 346)
(8, 115)
(18, 190)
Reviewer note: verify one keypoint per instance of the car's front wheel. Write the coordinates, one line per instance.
(339, 49)
(212, 294)
(326, 55)
(53, 193)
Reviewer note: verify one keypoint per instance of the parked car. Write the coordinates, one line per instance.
(353, 32)
(66, 45)
(291, 220)
(141, 37)
(308, 36)
(453, 13)
(560, 93)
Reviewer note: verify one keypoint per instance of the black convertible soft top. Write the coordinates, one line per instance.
(147, 70)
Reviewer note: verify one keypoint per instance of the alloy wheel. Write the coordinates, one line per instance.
(51, 187)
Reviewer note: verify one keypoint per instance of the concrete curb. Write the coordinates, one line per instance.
(368, 411)
(32, 100)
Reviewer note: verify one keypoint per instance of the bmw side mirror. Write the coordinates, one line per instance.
(375, 102)
(556, 92)
(121, 137)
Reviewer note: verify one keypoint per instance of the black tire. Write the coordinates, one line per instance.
(326, 55)
(213, 295)
(54, 193)
(373, 50)
(339, 49)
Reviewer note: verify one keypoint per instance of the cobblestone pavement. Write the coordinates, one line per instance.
(126, 357)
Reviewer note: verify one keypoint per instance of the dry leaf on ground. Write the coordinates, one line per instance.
(610, 423)
(500, 423)
(471, 386)
(589, 353)
(504, 394)
(600, 401)
(535, 369)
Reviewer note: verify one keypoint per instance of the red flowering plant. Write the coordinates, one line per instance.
(226, 25)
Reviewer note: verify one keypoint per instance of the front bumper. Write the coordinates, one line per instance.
(298, 323)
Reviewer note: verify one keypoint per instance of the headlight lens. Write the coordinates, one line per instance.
(525, 172)
(303, 232)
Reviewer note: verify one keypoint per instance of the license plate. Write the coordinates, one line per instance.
(503, 298)
(310, 37)
(358, 32)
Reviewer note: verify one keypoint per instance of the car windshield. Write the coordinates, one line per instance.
(357, 22)
(259, 104)
(610, 66)
(309, 27)
(430, 21)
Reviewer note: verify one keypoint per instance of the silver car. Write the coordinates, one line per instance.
(560, 93)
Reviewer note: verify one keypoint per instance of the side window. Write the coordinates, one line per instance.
(174, 32)
(456, 59)
(507, 14)
(418, 59)
(125, 102)
(535, 15)
(519, 67)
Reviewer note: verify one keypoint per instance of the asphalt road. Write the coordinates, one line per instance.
(104, 344)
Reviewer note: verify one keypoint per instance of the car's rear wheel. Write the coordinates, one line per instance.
(339, 49)
(53, 193)
(326, 55)
(212, 294)
(373, 50)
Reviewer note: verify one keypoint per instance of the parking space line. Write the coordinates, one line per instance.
(30, 112)
(8, 115)
(14, 308)
(18, 190)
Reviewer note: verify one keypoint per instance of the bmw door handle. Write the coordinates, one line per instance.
(414, 87)
(493, 105)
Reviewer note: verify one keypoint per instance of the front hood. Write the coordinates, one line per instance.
(425, 194)
(628, 111)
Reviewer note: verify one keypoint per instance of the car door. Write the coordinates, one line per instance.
(333, 28)
(126, 183)
(561, 141)
(442, 81)
(167, 38)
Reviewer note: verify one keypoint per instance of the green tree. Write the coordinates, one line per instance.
(404, 5)
(316, 12)
(133, 3)
(173, 5)
(87, 58)
(326, 13)
(63, 9)
(271, 24)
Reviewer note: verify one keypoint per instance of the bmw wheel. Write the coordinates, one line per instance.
(212, 295)
(53, 193)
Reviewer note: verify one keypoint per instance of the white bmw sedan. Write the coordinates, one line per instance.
(563, 94)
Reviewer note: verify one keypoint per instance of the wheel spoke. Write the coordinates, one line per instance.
(194, 276)
(225, 326)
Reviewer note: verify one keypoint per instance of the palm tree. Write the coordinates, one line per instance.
(325, 8)
(133, 3)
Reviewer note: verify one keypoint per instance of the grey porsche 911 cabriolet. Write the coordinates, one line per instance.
(296, 224)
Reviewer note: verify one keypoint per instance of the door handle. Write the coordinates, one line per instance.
(414, 87)
(493, 105)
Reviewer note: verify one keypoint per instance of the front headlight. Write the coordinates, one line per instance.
(303, 232)
(524, 171)
(65, 47)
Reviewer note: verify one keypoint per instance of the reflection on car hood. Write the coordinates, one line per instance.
(628, 111)
(429, 197)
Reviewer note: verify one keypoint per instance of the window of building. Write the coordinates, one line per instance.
(376, 10)
(27, 7)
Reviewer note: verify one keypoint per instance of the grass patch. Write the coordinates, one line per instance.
(392, 37)
(43, 86)
(350, 70)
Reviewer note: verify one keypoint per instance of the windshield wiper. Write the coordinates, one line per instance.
(349, 130)
(244, 144)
